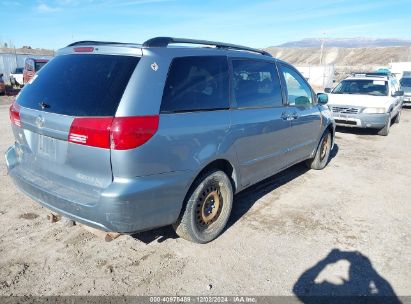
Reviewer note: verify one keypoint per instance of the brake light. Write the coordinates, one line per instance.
(91, 131)
(83, 49)
(15, 114)
(118, 133)
(132, 132)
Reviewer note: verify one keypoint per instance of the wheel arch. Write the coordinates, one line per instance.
(223, 165)
(331, 129)
(217, 164)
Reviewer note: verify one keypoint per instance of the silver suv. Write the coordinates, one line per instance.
(127, 137)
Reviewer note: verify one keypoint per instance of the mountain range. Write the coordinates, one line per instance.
(358, 42)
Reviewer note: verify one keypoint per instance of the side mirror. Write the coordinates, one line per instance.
(398, 94)
(327, 90)
(322, 98)
(1, 74)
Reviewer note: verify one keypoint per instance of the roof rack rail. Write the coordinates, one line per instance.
(89, 42)
(165, 41)
(372, 74)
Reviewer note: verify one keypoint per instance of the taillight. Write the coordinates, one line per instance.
(91, 131)
(15, 114)
(118, 133)
(132, 132)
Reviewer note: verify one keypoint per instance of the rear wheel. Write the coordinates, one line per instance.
(322, 155)
(207, 208)
(384, 131)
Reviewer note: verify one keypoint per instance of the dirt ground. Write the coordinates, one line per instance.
(279, 241)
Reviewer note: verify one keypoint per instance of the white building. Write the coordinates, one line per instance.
(10, 59)
(398, 68)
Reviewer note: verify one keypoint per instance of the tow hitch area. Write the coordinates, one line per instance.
(107, 236)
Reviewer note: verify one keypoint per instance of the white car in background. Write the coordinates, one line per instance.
(406, 87)
(16, 78)
(369, 100)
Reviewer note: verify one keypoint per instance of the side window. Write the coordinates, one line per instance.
(394, 86)
(299, 93)
(195, 84)
(255, 84)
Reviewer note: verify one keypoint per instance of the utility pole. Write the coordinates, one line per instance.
(321, 58)
(322, 48)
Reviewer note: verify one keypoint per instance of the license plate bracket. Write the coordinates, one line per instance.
(47, 147)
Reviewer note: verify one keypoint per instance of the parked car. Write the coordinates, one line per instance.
(16, 78)
(31, 67)
(406, 87)
(126, 137)
(367, 100)
(2, 85)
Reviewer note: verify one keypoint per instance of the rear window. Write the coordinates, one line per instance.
(80, 85)
(195, 84)
(38, 65)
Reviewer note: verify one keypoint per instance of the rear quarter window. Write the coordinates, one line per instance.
(195, 84)
(80, 85)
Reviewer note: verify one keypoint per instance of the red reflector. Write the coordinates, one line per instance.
(124, 132)
(91, 131)
(15, 114)
(83, 49)
(131, 132)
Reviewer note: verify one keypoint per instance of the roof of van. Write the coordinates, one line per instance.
(163, 42)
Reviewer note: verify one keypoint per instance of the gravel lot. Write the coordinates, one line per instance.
(280, 239)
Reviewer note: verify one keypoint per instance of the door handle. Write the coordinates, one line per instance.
(285, 116)
(294, 115)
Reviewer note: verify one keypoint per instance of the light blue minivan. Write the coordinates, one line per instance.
(128, 137)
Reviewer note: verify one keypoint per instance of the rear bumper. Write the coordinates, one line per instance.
(126, 205)
(375, 121)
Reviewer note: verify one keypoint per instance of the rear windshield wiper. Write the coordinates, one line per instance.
(44, 105)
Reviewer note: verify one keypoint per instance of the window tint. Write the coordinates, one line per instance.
(299, 93)
(80, 85)
(196, 83)
(255, 84)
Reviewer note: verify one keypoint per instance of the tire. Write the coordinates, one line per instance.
(398, 117)
(207, 208)
(322, 154)
(386, 130)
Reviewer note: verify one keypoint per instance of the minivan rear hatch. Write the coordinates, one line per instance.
(59, 121)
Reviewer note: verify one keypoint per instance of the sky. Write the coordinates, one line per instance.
(256, 23)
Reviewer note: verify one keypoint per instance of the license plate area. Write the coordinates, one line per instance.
(47, 147)
(346, 122)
